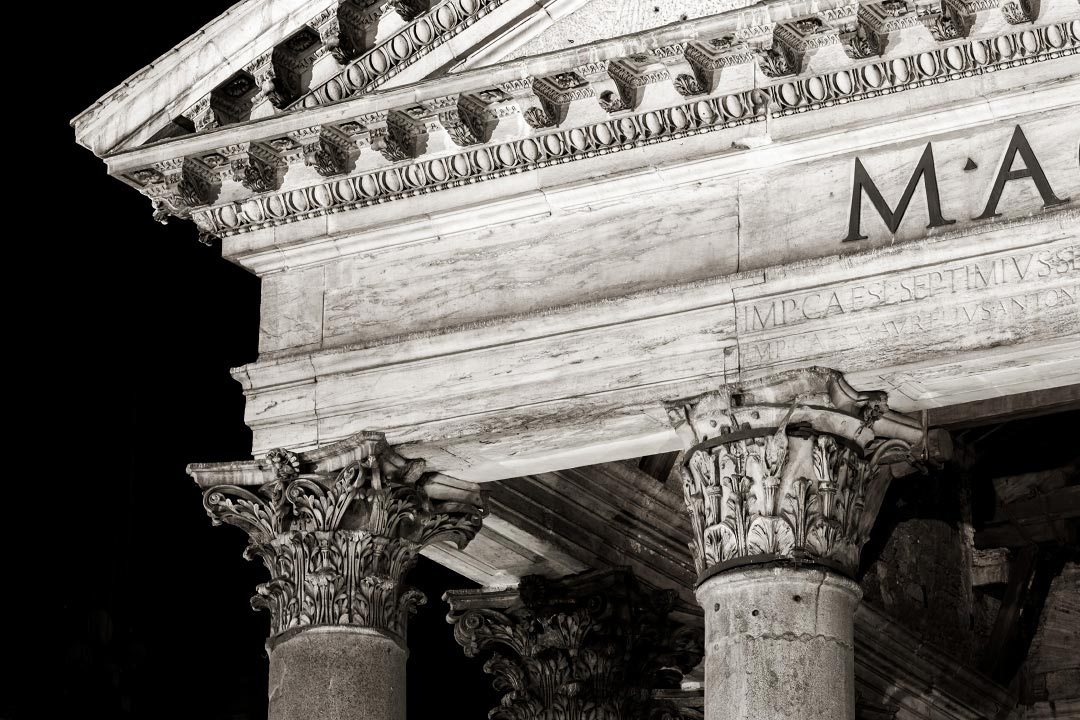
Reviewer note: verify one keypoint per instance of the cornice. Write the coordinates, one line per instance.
(367, 159)
(241, 34)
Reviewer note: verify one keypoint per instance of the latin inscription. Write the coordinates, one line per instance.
(909, 288)
(925, 171)
(917, 327)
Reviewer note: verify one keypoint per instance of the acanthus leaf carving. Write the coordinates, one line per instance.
(799, 480)
(338, 544)
(777, 59)
(594, 645)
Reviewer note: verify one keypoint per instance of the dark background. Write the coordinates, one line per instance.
(122, 600)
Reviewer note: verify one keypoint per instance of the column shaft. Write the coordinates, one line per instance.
(779, 644)
(337, 673)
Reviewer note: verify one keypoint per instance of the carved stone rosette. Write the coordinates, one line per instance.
(789, 468)
(596, 645)
(338, 544)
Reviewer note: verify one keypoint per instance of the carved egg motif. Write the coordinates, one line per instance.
(954, 58)
(400, 45)
(423, 32)
(628, 129)
(1030, 41)
(1074, 28)
(459, 165)
(436, 170)
(678, 118)
(842, 81)
(980, 52)
(391, 181)
(253, 211)
(928, 64)
(482, 161)
(553, 144)
(577, 139)
(298, 200)
(733, 106)
(320, 194)
(378, 61)
(468, 6)
(1005, 47)
(815, 88)
(789, 94)
(413, 176)
(900, 70)
(1054, 37)
(228, 216)
(274, 207)
(344, 190)
(333, 90)
(506, 156)
(356, 75)
(872, 75)
(310, 101)
(705, 112)
(529, 150)
(603, 134)
(652, 124)
(369, 186)
(446, 16)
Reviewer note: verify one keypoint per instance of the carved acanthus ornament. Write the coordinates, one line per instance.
(944, 19)
(338, 544)
(593, 646)
(792, 467)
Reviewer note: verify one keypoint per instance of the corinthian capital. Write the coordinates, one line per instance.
(339, 529)
(595, 645)
(792, 467)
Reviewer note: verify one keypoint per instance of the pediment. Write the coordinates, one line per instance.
(598, 20)
(268, 57)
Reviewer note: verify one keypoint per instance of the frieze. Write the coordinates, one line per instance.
(957, 61)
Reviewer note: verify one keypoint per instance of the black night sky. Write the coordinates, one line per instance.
(125, 602)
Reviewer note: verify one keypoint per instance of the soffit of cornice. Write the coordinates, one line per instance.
(447, 120)
(404, 41)
(175, 94)
(130, 113)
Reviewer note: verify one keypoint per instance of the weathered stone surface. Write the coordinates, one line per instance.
(337, 674)
(792, 467)
(779, 644)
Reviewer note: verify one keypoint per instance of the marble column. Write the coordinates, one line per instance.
(597, 645)
(783, 478)
(338, 530)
